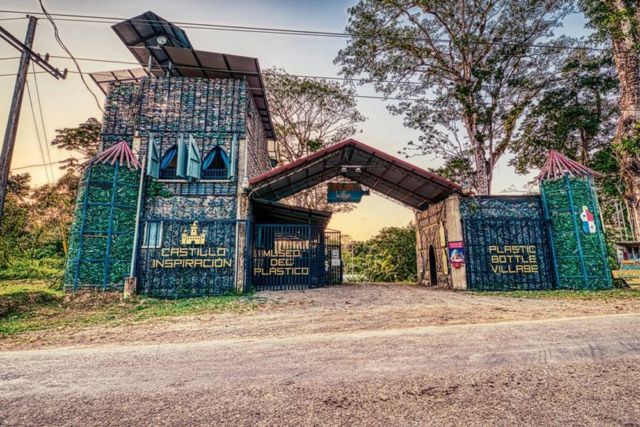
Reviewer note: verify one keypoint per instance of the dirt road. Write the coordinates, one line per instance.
(328, 310)
(581, 370)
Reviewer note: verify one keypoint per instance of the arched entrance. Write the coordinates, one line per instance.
(433, 271)
(295, 251)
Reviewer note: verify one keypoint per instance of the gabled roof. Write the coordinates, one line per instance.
(383, 173)
(558, 165)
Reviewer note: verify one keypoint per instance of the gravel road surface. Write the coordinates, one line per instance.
(572, 371)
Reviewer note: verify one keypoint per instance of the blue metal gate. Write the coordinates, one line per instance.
(507, 254)
(295, 256)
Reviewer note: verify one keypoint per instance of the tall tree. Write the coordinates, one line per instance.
(83, 140)
(467, 67)
(309, 115)
(618, 22)
(575, 115)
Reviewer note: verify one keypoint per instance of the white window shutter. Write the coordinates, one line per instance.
(153, 158)
(194, 160)
(181, 164)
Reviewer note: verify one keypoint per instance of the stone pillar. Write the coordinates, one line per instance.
(130, 284)
(419, 260)
(453, 224)
(242, 213)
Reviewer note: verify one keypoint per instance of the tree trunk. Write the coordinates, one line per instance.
(627, 66)
(483, 172)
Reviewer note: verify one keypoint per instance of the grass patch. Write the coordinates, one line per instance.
(602, 295)
(38, 269)
(35, 306)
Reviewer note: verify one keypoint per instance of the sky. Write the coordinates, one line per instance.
(68, 103)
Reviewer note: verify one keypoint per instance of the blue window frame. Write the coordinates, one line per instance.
(216, 164)
(169, 164)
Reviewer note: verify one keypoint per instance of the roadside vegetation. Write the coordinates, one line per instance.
(28, 305)
(601, 295)
(389, 256)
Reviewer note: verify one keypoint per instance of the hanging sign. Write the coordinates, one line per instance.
(456, 253)
(345, 192)
(335, 258)
(588, 221)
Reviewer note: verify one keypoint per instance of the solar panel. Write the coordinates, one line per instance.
(178, 58)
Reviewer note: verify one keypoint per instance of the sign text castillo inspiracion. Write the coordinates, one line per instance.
(188, 255)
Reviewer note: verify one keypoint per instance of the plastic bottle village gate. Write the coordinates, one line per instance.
(204, 215)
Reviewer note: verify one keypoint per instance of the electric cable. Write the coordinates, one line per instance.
(64, 47)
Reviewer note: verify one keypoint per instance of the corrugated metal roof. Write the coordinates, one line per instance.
(265, 211)
(104, 78)
(383, 173)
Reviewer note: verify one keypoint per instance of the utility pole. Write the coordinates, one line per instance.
(26, 57)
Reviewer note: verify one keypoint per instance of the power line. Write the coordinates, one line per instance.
(42, 121)
(271, 30)
(344, 79)
(56, 34)
(35, 124)
(36, 166)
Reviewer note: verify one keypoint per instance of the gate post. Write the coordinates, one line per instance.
(454, 233)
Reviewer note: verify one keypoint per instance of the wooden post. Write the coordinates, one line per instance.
(14, 114)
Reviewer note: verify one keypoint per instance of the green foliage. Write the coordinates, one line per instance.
(456, 75)
(37, 269)
(390, 256)
(613, 20)
(588, 295)
(36, 221)
(575, 115)
(16, 296)
(83, 139)
(459, 169)
(567, 243)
